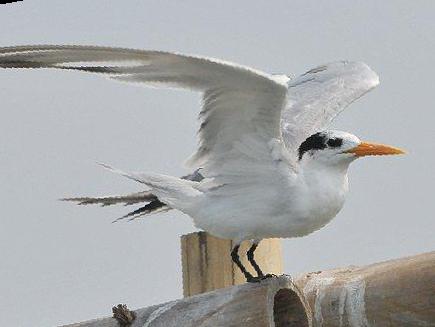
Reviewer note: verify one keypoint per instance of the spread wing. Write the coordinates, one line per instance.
(241, 106)
(318, 96)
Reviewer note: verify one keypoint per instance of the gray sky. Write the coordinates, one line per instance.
(61, 263)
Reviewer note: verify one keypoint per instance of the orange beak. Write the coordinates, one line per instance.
(373, 149)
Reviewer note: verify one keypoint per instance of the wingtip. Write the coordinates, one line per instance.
(370, 74)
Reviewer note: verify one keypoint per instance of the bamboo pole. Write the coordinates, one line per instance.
(207, 263)
(397, 293)
(273, 302)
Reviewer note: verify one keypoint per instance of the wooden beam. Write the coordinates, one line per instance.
(397, 293)
(207, 263)
(274, 302)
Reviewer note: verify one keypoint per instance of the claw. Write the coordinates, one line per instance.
(258, 279)
(267, 276)
(253, 279)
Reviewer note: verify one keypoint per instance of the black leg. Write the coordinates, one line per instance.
(236, 259)
(250, 255)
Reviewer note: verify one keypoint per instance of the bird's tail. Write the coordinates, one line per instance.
(150, 204)
(167, 192)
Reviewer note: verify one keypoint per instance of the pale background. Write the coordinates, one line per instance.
(60, 263)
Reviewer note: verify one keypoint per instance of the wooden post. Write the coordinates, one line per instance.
(207, 263)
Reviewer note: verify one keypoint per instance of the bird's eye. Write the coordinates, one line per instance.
(335, 142)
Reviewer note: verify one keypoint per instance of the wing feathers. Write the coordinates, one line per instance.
(318, 96)
(239, 103)
(191, 71)
(238, 100)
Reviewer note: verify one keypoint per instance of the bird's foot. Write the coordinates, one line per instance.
(253, 279)
(257, 279)
(267, 276)
(123, 315)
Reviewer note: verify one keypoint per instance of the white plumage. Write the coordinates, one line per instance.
(264, 172)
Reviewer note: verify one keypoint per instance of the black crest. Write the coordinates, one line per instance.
(314, 142)
(318, 141)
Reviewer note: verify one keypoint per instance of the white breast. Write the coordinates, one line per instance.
(299, 208)
(320, 197)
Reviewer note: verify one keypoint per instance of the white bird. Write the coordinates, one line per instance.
(265, 165)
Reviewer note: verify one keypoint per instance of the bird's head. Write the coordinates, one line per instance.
(336, 148)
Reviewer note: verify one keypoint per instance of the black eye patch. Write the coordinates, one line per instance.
(335, 142)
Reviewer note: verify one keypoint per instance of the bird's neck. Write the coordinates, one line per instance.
(322, 177)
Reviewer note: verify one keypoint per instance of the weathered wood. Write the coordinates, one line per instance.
(207, 263)
(273, 302)
(394, 293)
(399, 293)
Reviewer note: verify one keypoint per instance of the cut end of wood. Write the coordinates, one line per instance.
(288, 309)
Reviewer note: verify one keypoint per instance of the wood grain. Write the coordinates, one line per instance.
(207, 263)
(399, 293)
(273, 302)
(396, 293)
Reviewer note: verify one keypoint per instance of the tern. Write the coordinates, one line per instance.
(266, 164)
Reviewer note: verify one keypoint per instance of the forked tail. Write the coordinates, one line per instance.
(167, 192)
